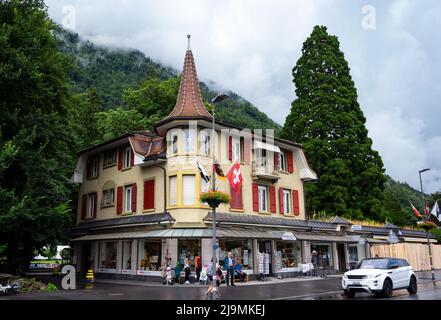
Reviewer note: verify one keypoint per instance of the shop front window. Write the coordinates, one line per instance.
(149, 255)
(108, 255)
(324, 252)
(288, 254)
(241, 250)
(127, 255)
(190, 248)
(353, 252)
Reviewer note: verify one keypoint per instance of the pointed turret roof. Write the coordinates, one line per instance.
(189, 102)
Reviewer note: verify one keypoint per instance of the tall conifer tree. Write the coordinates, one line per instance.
(327, 119)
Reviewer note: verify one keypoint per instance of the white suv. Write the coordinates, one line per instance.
(380, 276)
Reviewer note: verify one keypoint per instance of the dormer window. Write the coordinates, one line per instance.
(282, 161)
(109, 158)
(93, 167)
(189, 140)
(127, 157)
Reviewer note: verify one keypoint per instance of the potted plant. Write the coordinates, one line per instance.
(427, 225)
(214, 198)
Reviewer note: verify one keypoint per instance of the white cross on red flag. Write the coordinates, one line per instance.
(235, 177)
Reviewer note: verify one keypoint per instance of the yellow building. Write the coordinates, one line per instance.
(139, 205)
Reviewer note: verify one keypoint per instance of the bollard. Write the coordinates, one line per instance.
(89, 276)
(56, 271)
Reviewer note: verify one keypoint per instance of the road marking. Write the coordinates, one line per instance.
(308, 295)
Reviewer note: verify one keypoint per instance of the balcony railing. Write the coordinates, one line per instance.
(264, 171)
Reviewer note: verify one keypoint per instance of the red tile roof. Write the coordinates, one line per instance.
(148, 146)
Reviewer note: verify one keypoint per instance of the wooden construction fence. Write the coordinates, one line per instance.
(417, 254)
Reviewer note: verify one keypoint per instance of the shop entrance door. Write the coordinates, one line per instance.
(341, 257)
(86, 257)
(265, 247)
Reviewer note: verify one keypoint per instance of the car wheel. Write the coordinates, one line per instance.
(349, 293)
(413, 288)
(387, 288)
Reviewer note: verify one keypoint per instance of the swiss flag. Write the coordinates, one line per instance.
(235, 177)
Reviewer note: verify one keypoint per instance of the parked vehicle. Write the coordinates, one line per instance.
(8, 285)
(380, 276)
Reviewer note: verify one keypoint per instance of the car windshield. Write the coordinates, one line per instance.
(373, 264)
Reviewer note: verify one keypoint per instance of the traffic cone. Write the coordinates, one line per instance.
(89, 275)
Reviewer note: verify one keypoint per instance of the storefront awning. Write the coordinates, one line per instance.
(161, 233)
(321, 237)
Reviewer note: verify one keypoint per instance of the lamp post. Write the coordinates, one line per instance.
(215, 100)
(426, 219)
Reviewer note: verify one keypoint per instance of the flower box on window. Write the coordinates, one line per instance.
(427, 225)
(215, 198)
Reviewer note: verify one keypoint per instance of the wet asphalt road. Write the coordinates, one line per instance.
(322, 289)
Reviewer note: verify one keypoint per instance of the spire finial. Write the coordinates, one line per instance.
(188, 46)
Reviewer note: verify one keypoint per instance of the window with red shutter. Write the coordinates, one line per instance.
(119, 200)
(120, 158)
(84, 207)
(295, 201)
(255, 197)
(230, 148)
(134, 192)
(149, 194)
(236, 198)
(272, 194)
(132, 158)
(281, 209)
(290, 161)
(247, 150)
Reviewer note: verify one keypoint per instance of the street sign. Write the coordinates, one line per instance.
(356, 227)
(289, 236)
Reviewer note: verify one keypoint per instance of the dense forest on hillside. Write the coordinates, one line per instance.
(115, 73)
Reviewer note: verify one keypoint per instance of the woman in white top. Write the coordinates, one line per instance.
(187, 269)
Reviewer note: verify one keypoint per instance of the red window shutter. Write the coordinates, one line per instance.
(120, 158)
(255, 197)
(295, 202)
(84, 207)
(272, 194)
(119, 200)
(132, 158)
(230, 148)
(276, 161)
(236, 198)
(95, 194)
(134, 192)
(289, 161)
(281, 200)
(247, 150)
(149, 194)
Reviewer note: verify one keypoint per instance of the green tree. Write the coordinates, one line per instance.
(327, 119)
(35, 139)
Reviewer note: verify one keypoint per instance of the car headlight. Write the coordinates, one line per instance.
(345, 276)
(371, 276)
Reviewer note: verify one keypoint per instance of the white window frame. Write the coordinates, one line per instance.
(263, 198)
(128, 198)
(127, 157)
(286, 201)
(95, 167)
(112, 196)
(187, 192)
(282, 161)
(174, 143)
(205, 144)
(91, 199)
(173, 192)
(189, 140)
(106, 162)
(236, 152)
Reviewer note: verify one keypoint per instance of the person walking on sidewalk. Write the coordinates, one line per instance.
(187, 269)
(197, 266)
(315, 262)
(229, 267)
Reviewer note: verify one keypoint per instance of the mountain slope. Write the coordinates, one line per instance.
(112, 71)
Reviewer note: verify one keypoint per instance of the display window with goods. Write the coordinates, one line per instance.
(107, 258)
(241, 250)
(189, 247)
(288, 255)
(126, 255)
(149, 256)
(324, 254)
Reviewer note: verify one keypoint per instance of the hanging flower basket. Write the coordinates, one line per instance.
(214, 198)
(427, 225)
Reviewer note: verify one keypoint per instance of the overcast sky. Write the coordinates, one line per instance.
(250, 47)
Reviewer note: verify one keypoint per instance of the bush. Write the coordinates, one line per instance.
(51, 287)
